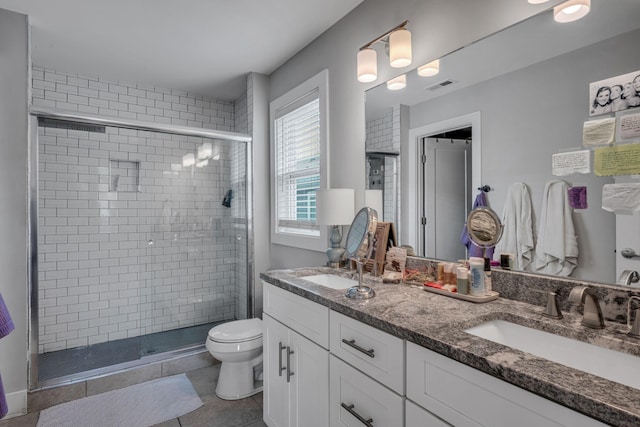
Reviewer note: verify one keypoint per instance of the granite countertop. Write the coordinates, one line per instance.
(438, 322)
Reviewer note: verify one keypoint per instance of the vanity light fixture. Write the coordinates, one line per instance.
(571, 10)
(538, 1)
(188, 160)
(398, 42)
(430, 69)
(205, 151)
(397, 83)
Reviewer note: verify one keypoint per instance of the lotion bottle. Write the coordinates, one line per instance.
(476, 270)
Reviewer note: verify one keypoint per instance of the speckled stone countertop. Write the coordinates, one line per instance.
(438, 322)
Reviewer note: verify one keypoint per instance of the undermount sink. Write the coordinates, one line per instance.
(331, 281)
(605, 363)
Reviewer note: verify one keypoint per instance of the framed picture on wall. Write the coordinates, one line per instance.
(614, 94)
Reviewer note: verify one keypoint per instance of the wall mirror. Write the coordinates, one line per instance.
(524, 94)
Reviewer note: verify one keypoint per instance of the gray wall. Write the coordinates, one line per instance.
(437, 26)
(14, 69)
(533, 113)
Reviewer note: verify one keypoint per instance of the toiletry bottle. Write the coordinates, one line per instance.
(487, 276)
(447, 274)
(463, 280)
(440, 278)
(476, 286)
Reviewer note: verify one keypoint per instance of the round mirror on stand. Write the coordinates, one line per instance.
(360, 244)
(484, 228)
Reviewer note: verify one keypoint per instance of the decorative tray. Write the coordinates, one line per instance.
(486, 298)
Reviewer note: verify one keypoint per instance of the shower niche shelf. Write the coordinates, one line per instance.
(124, 176)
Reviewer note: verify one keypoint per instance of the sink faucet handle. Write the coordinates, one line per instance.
(635, 327)
(552, 310)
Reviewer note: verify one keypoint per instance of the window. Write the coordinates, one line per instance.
(298, 163)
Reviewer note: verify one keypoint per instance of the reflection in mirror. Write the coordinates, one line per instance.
(484, 227)
(529, 84)
(359, 248)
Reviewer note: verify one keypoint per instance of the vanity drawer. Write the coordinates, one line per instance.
(464, 396)
(306, 317)
(353, 394)
(376, 353)
(420, 417)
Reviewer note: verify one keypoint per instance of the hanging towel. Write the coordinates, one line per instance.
(517, 235)
(557, 249)
(6, 324)
(475, 250)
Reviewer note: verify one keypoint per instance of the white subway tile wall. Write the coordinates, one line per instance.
(383, 134)
(130, 241)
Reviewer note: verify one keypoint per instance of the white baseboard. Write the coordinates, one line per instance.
(17, 402)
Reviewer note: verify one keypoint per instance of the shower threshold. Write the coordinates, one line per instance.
(81, 362)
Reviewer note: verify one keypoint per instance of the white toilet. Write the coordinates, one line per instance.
(238, 345)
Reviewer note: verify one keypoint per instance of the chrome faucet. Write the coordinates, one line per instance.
(592, 315)
(628, 277)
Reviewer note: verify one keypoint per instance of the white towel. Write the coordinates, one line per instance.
(557, 250)
(517, 235)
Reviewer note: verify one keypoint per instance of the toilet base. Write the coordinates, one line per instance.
(237, 380)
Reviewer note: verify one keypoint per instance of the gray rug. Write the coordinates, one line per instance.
(139, 405)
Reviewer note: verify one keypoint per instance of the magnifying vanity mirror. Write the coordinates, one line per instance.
(359, 248)
(523, 95)
(484, 227)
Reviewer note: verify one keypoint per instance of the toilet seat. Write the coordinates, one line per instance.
(237, 331)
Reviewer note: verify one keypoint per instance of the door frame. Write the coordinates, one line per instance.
(410, 182)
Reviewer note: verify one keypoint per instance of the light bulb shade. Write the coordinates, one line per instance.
(538, 1)
(367, 65)
(397, 83)
(188, 160)
(335, 206)
(373, 200)
(400, 48)
(571, 10)
(205, 151)
(430, 69)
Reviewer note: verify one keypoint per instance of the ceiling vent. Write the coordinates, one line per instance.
(440, 85)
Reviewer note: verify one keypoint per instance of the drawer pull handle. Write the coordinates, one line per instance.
(352, 343)
(289, 373)
(349, 408)
(281, 368)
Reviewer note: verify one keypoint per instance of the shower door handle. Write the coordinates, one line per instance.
(281, 368)
(289, 373)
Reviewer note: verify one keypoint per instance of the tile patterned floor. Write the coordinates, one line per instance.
(215, 412)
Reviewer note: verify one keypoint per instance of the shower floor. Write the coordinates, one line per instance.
(62, 363)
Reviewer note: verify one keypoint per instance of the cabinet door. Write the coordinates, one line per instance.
(355, 400)
(420, 417)
(276, 390)
(309, 392)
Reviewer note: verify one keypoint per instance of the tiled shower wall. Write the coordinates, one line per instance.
(153, 250)
(383, 134)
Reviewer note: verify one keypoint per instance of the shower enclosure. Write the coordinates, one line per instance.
(140, 241)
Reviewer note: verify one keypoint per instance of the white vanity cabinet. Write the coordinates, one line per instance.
(465, 397)
(366, 372)
(296, 360)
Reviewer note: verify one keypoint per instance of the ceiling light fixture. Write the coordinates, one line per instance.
(397, 83)
(430, 69)
(571, 10)
(538, 1)
(398, 42)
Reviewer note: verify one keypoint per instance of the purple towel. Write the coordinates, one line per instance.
(4, 408)
(6, 324)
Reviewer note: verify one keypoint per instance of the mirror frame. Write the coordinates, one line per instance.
(369, 229)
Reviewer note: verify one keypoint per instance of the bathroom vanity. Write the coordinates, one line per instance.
(404, 358)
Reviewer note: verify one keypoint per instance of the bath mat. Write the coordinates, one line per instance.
(139, 405)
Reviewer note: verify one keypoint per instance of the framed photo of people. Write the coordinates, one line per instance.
(614, 94)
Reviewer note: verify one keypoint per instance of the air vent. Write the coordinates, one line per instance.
(440, 85)
(63, 124)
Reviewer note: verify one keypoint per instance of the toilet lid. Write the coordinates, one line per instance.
(237, 331)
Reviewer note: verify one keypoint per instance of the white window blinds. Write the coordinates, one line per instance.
(297, 135)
